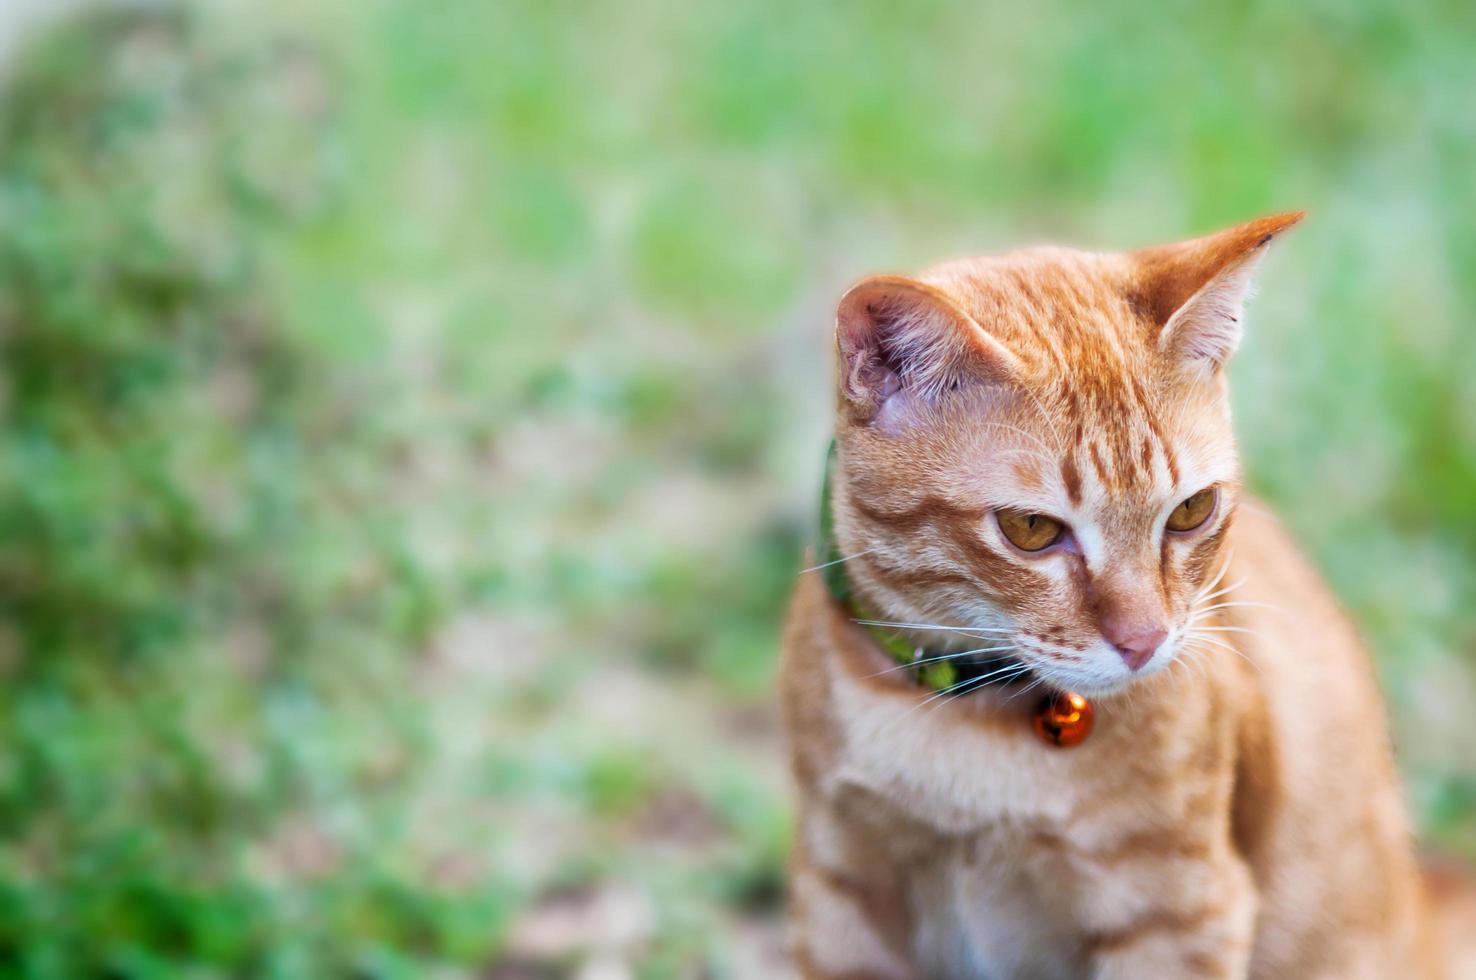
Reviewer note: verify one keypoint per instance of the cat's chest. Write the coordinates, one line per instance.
(985, 912)
(960, 769)
(989, 902)
(1009, 828)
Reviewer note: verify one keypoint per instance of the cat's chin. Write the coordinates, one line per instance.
(1096, 689)
(1103, 674)
(1095, 684)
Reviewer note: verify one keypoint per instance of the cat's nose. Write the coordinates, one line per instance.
(1136, 645)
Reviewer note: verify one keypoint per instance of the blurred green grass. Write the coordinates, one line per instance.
(413, 415)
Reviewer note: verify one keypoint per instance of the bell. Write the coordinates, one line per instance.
(1063, 719)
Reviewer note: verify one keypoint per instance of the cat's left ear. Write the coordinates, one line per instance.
(1194, 291)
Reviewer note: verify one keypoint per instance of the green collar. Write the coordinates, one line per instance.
(931, 668)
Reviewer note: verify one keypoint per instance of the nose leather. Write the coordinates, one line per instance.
(1130, 618)
(1136, 645)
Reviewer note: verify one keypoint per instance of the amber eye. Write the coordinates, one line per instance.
(1194, 511)
(1029, 532)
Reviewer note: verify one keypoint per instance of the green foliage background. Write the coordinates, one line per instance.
(412, 417)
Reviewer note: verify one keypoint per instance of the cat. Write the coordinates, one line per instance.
(1035, 490)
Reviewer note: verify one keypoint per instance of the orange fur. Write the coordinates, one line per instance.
(1235, 812)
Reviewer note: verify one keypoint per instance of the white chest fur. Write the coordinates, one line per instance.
(955, 775)
(991, 918)
(995, 903)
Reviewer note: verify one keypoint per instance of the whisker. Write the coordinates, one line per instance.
(1026, 689)
(1212, 640)
(1216, 641)
(1221, 594)
(837, 561)
(931, 626)
(1225, 591)
(957, 688)
(1225, 567)
(1237, 604)
(990, 633)
(1183, 654)
(1179, 677)
(962, 686)
(1197, 661)
(945, 656)
(1230, 629)
(1191, 659)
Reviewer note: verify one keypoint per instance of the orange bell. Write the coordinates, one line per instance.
(1064, 719)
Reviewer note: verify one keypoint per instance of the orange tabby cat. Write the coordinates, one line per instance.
(1035, 489)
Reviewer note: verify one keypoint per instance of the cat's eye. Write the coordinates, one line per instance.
(1194, 511)
(1029, 532)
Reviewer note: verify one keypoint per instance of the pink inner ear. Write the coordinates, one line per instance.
(1195, 290)
(1168, 276)
(891, 385)
(1207, 327)
(865, 372)
(902, 337)
(919, 344)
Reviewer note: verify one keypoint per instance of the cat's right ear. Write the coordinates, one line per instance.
(905, 341)
(1194, 291)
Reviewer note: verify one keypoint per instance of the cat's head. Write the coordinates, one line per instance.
(1036, 448)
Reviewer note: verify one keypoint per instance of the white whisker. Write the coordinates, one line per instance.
(837, 561)
(945, 656)
(1013, 670)
(1026, 689)
(1220, 592)
(1216, 641)
(1010, 669)
(1191, 659)
(1197, 662)
(986, 633)
(1179, 677)
(1224, 567)
(1235, 605)
(1230, 629)
(931, 626)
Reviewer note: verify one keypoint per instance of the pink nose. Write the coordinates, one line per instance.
(1136, 646)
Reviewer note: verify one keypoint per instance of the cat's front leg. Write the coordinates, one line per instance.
(848, 919)
(835, 931)
(1174, 934)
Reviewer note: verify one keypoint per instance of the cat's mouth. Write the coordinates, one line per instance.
(1100, 675)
